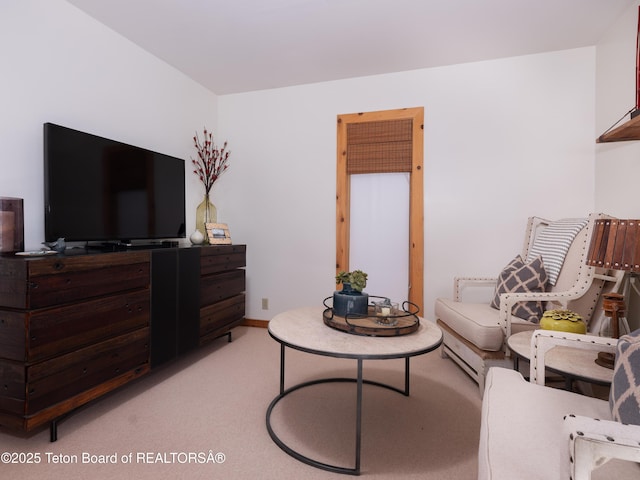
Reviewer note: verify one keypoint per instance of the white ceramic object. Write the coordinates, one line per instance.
(196, 237)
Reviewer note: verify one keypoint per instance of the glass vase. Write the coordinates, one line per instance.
(205, 213)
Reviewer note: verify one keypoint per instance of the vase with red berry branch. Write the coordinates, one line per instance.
(210, 163)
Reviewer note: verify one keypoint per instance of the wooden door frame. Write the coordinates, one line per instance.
(416, 195)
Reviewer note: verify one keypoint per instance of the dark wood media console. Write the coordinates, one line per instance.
(76, 326)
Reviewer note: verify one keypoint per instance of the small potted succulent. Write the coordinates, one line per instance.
(351, 300)
(350, 281)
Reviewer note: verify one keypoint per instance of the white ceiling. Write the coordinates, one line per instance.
(232, 46)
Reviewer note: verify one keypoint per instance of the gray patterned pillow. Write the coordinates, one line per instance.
(519, 276)
(624, 397)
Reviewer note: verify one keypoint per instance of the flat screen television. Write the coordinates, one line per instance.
(101, 190)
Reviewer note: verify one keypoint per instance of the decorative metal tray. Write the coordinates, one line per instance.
(401, 324)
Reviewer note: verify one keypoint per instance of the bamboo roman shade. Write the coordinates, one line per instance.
(379, 146)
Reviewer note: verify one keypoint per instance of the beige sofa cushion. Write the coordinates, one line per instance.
(477, 322)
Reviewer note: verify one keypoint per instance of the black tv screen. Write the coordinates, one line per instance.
(96, 189)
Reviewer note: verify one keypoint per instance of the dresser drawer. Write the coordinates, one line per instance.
(222, 258)
(41, 282)
(60, 330)
(69, 284)
(214, 288)
(57, 379)
(215, 318)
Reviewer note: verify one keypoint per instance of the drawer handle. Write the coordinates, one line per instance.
(58, 266)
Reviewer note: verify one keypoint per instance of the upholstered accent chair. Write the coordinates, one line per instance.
(529, 430)
(475, 332)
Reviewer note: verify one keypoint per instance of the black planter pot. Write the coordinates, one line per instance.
(350, 302)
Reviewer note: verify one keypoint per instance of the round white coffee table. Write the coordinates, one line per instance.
(304, 329)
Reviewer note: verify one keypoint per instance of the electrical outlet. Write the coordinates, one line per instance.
(265, 304)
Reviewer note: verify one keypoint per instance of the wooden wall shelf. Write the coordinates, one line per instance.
(625, 132)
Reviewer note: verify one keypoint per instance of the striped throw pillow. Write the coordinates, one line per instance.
(553, 243)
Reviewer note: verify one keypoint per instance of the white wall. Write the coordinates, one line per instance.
(61, 66)
(504, 140)
(617, 167)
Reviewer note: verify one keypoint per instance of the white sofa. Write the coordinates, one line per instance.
(530, 431)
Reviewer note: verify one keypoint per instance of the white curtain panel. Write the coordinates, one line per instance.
(379, 237)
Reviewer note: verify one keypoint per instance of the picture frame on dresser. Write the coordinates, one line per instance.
(218, 234)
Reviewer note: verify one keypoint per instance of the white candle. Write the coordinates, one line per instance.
(385, 311)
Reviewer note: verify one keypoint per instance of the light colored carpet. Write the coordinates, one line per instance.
(215, 400)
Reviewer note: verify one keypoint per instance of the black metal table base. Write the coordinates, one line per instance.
(355, 470)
